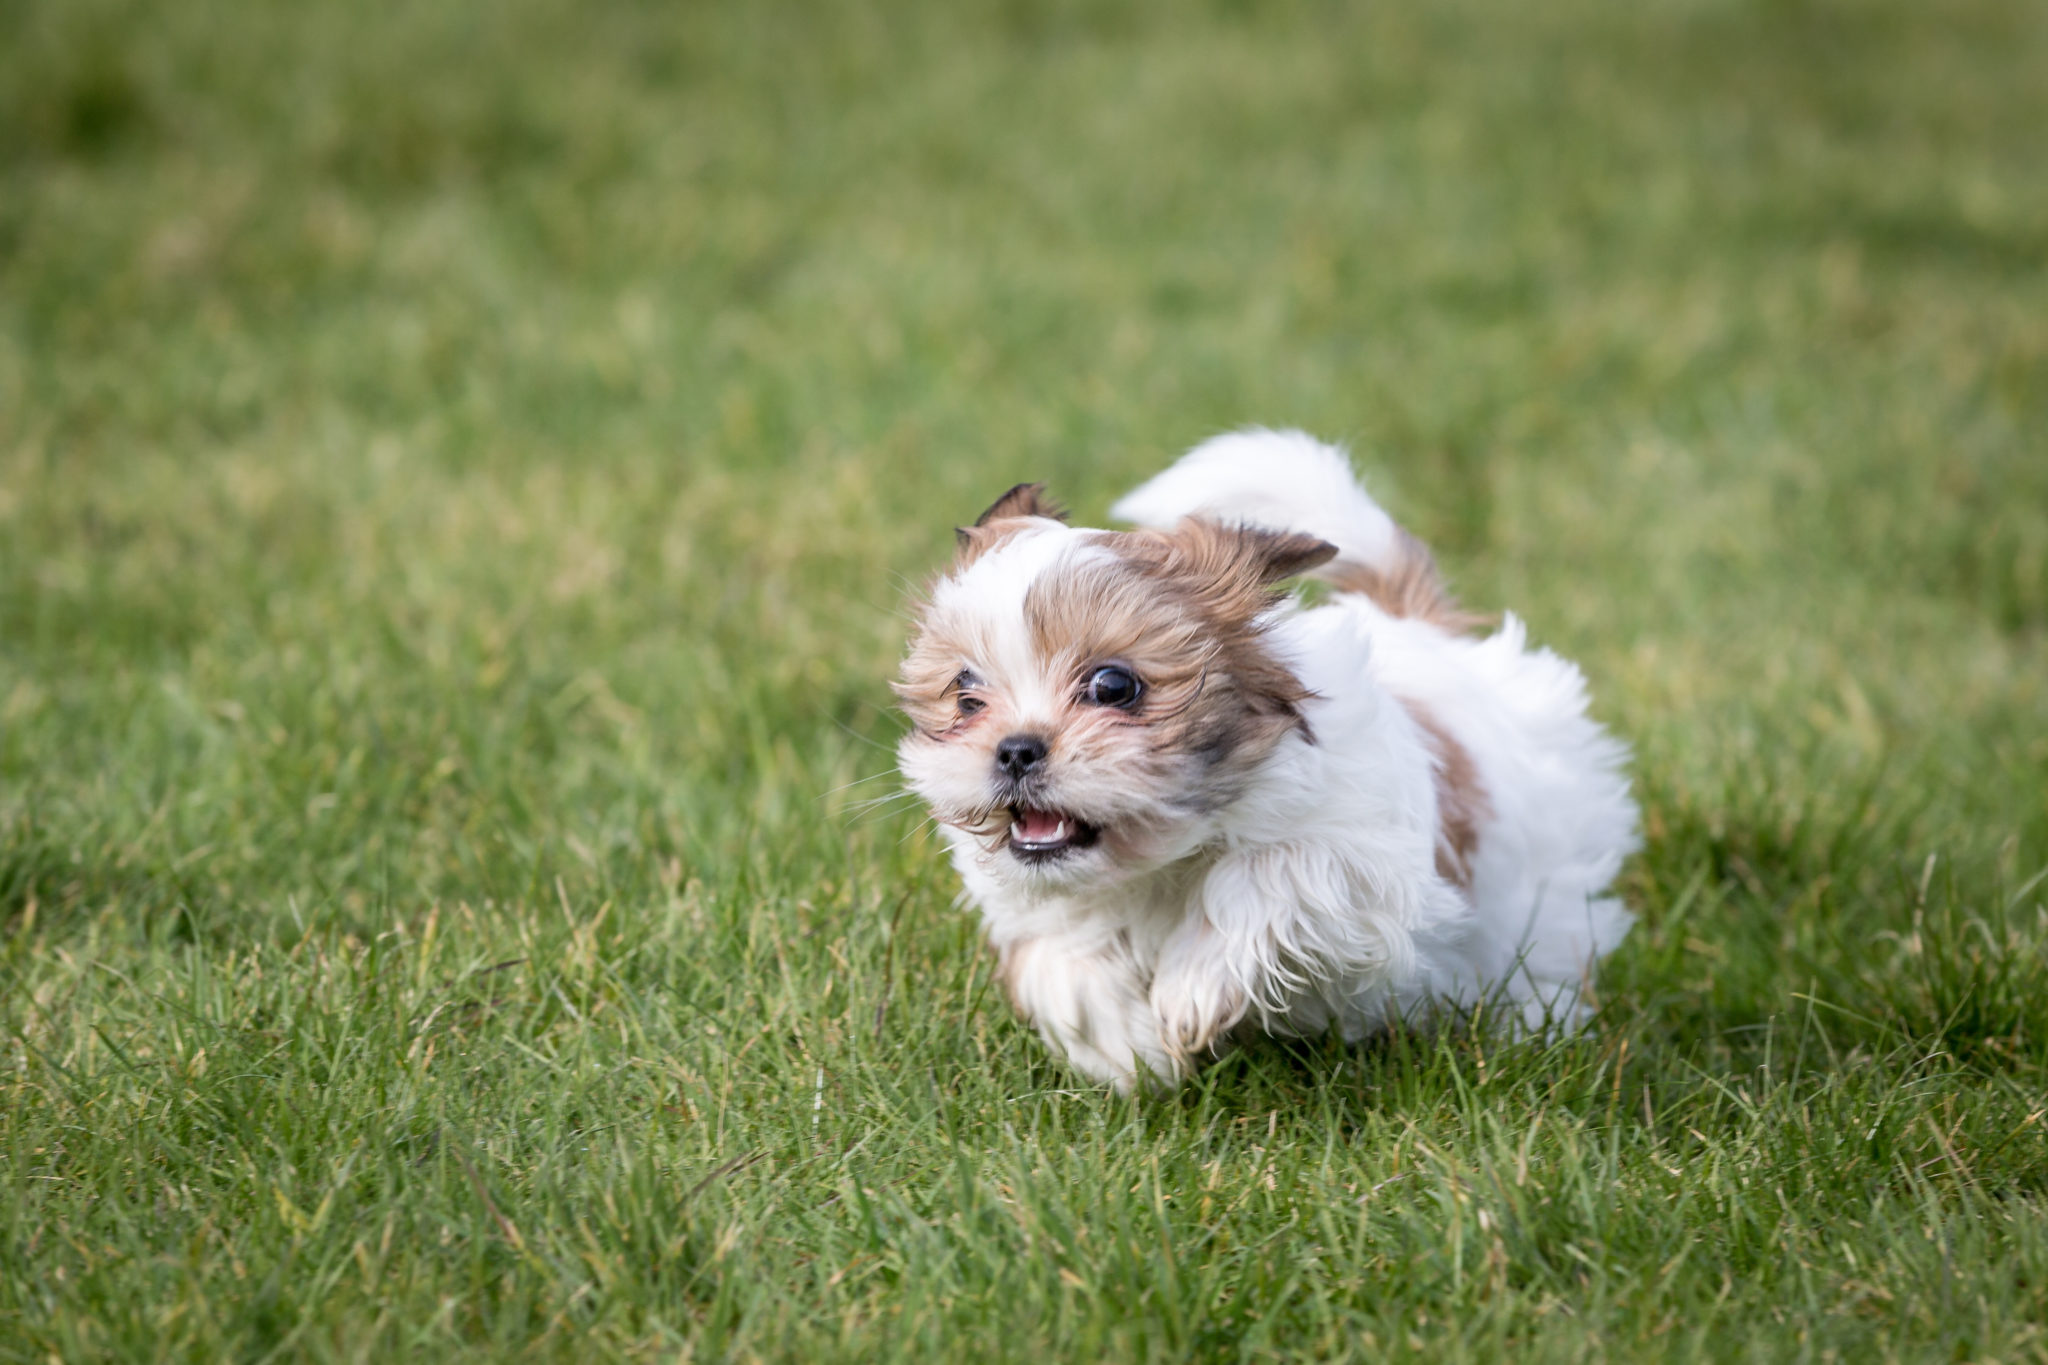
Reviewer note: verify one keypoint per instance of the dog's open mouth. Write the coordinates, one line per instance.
(1039, 834)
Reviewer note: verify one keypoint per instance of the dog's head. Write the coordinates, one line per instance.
(1081, 701)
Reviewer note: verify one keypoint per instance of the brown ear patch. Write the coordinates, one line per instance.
(1226, 572)
(1288, 553)
(1024, 500)
(1411, 587)
(989, 529)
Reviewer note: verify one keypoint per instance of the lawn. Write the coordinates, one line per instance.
(463, 468)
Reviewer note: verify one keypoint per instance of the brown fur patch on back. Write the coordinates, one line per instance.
(1462, 804)
(1411, 588)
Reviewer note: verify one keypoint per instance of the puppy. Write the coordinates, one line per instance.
(1187, 806)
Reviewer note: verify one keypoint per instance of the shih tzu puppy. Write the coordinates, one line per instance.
(1187, 806)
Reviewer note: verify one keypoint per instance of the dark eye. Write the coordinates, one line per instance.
(1112, 686)
(965, 698)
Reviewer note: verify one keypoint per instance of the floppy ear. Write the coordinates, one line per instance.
(1283, 554)
(1227, 571)
(1025, 500)
(1248, 556)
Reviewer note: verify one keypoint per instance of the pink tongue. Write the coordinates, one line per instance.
(1037, 826)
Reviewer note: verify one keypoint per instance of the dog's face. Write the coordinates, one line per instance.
(1082, 701)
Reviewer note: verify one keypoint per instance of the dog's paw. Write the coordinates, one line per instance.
(1197, 1004)
(1091, 1005)
(1131, 1060)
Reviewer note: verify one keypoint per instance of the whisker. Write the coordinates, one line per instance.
(864, 739)
(871, 803)
(857, 782)
(874, 817)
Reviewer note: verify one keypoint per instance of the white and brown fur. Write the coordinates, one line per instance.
(1310, 817)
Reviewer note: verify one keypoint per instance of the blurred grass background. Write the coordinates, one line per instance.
(462, 468)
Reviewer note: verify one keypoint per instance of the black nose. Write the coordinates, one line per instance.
(1019, 754)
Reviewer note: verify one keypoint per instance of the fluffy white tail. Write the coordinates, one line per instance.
(1282, 480)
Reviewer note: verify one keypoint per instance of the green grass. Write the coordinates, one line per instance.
(462, 467)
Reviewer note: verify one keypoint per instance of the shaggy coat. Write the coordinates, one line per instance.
(1186, 805)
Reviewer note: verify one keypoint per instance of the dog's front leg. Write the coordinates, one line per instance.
(1287, 928)
(1086, 994)
(1197, 994)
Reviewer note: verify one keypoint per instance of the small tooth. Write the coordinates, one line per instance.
(1058, 833)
